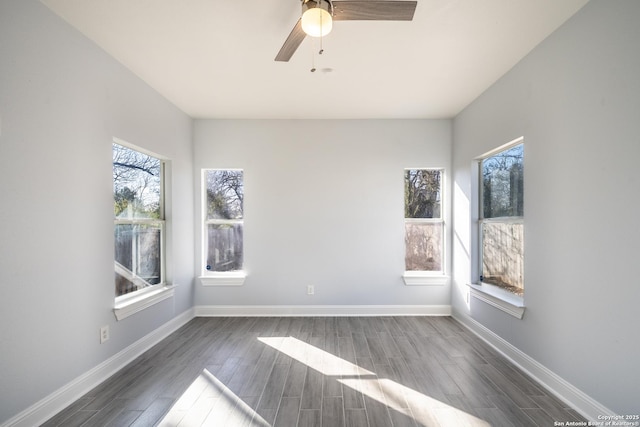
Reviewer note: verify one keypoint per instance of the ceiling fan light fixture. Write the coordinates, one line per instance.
(316, 19)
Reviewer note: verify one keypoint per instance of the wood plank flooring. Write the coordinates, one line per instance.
(322, 371)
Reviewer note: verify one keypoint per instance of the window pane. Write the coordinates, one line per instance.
(224, 252)
(502, 184)
(422, 193)
(137, 256)
(503, 255)
(225, 193)
(136, 184)
(423, 247)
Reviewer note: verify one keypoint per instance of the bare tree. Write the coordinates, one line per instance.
(136, 182)
(422, 193)
(502, 184)
(225, 194)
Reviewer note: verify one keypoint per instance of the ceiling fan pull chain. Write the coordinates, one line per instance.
(321, 49)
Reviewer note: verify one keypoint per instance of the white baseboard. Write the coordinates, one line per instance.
(563, 390)
(321, 310)
(41, 411)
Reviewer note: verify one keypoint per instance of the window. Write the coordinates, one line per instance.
(223, 221)
(423, 223)
(139, 220)
(501, 224)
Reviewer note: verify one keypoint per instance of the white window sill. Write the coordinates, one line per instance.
(128, 305)
(424, 278)
(231, 278)
(499, 298)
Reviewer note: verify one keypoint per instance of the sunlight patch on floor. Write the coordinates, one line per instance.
(208, 402)
(315, 358)
(422, 408)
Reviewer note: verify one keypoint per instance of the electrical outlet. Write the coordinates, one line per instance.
(310, 290)
(104, 334)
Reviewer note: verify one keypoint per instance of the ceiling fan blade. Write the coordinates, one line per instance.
(364, 10)
(291, 43)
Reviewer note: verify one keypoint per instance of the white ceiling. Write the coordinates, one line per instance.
(215, 59)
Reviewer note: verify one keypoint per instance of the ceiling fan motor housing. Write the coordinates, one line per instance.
(323, 4)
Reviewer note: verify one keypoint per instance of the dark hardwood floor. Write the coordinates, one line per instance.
(318, 371)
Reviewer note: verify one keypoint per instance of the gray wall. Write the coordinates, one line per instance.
(576, 100)
(62, 100)
(323, 206)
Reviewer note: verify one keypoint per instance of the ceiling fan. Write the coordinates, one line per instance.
(318, 16)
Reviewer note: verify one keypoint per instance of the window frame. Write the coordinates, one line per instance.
(428, 277)
(218, 278)
(489, 293)
(130, 303)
